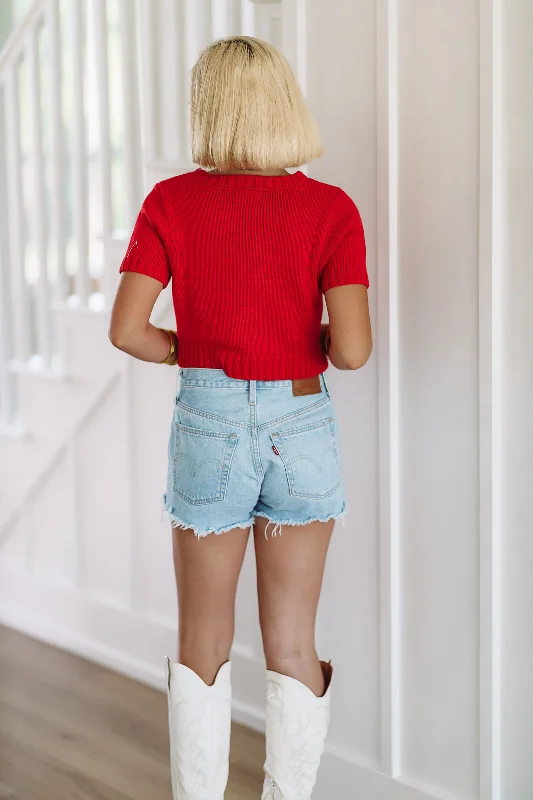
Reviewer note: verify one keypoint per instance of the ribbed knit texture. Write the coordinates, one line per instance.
(250, 257)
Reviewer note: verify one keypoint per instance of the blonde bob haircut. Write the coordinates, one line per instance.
(247, 111)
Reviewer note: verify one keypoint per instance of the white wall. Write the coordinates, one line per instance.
(426, 109)
(515, 590)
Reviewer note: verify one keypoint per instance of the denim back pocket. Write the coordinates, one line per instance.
(310, 458)
(202, 461)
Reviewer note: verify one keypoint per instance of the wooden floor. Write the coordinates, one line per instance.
(70, 730)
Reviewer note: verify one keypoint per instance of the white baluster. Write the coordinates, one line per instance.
(172, 95)
(195, 36)
(79, 154)
(247, 18)
(150, 86)
(6, 387)
(38, 203)
(198, 29)
(58, 200)
(131, 111)
(7, 405)
(100, 58)
(19, 291)
(226, 18)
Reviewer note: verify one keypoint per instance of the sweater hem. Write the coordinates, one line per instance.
(247, 367)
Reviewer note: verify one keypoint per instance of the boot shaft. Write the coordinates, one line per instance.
(296, 728)
(200, 729)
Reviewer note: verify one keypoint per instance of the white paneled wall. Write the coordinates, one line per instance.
(426, 110)
(515, 339)
(437, 251)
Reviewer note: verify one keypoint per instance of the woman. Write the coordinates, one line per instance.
(251, 249)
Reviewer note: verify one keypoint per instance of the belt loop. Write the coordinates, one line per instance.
(253, 393)
(178, 382)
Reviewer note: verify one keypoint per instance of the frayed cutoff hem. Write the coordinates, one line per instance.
(278, 523)
(168, 511)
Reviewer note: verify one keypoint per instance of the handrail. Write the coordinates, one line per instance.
(14, 43)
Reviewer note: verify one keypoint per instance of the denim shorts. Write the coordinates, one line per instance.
(240, 449)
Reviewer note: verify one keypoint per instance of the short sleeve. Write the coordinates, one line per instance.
(344, 254)
(146, 252)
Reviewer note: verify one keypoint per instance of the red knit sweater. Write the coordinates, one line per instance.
(249, 257)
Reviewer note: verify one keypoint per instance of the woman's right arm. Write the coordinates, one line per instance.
(350, 331)
(145, 271)
(130, 328)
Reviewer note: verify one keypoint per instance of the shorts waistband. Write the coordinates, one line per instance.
(216, 378)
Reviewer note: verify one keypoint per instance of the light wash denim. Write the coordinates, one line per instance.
(241, 449)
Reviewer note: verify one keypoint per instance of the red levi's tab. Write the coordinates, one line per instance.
(275, 450)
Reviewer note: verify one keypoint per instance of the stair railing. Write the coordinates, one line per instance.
(70, 171)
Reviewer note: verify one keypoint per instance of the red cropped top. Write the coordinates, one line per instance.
(250, 257)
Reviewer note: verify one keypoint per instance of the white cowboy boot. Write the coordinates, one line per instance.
(296, 727)
(199, 718)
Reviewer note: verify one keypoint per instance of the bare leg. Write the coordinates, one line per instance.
(290, 570)
(207, 571)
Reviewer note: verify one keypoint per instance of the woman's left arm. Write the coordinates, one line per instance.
(130, 328)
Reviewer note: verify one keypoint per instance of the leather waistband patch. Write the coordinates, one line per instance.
(301, 386)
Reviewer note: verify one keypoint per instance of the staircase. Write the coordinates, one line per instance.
(70, 183)
(88, 124)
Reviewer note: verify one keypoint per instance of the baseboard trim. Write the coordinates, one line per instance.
(47, 611)
(83, 647)
(29, 605)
